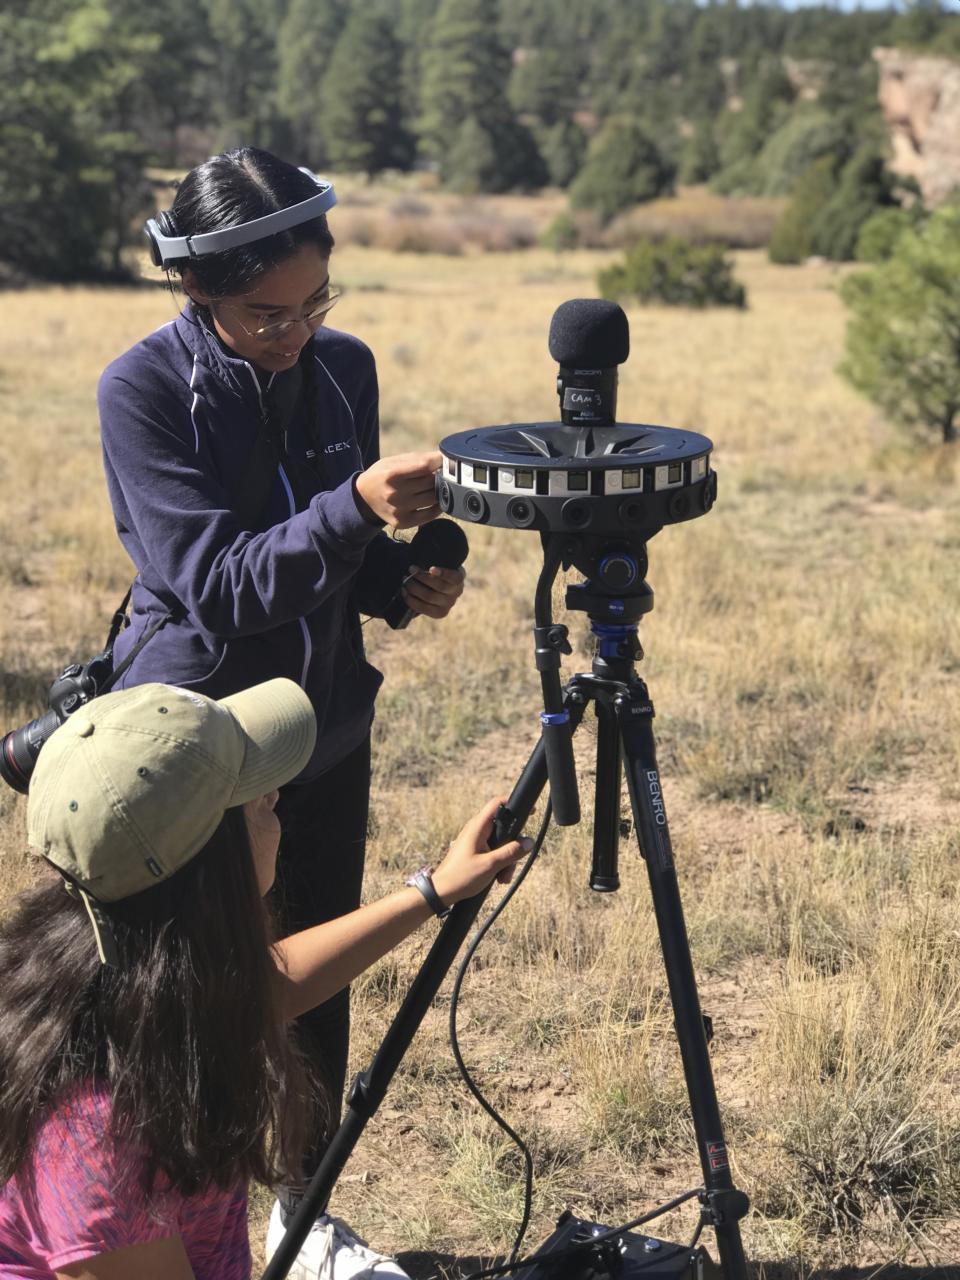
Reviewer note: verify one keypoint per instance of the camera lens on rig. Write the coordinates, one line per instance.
(475, 506)
(521, 512)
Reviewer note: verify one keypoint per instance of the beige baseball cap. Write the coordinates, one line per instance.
(133, 784)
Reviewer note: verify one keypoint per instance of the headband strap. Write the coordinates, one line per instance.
(177, 248)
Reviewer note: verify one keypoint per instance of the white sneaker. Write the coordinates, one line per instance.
(332, 1252)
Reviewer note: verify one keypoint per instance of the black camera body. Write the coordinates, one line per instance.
(76, 685)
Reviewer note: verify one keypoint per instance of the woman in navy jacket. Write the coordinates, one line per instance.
(242, 459)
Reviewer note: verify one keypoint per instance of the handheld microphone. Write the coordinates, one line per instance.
(442, 543)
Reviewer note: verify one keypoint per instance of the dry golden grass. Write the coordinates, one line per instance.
(700, 215)
(803, 656)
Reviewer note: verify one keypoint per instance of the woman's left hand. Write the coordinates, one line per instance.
(433, 592)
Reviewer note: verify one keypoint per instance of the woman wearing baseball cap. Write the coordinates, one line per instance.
(145, 1071)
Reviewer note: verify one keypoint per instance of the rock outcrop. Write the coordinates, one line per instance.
(920, 97)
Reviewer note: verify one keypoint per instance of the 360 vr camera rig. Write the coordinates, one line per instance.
(586, 473)
(596, 491)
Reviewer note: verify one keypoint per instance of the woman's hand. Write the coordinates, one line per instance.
(315, 964)
(470, 865)
(433, 592)
(401, 490)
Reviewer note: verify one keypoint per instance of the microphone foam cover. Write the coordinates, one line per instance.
(589, 333)
(442, 543)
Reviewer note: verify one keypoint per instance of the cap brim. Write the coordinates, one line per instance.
(281, 729)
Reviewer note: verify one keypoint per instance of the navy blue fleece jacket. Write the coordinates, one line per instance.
(179, 418)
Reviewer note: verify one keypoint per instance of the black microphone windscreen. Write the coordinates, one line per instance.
(442, 543)
(589, 333)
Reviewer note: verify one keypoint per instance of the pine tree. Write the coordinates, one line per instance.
(362, 98)
(806, 135)
(792, 238)
(246, 96)
(742, 134)
(704, 87)
(563, 147)
(71, 75)
(700, 158)
(465, 72)
(546, 85)
(305, 43)
(414, 19)
(623, 167)
(471, 162)
(903, 336)
(865, 186)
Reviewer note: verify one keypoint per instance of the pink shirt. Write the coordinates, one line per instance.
(78, 1197)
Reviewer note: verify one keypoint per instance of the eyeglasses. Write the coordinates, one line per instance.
(277, 328)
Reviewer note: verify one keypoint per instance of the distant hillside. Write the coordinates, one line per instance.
(614, 101)
(920, 98)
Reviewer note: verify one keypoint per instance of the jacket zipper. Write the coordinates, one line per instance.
(305, 630)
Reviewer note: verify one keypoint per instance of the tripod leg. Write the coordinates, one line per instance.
(723, 1205)
(604, 876)
(370, 1086)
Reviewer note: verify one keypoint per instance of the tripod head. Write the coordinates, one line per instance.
(614, 591)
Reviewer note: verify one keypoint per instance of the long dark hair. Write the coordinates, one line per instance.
(236, 187)
(183, 1033)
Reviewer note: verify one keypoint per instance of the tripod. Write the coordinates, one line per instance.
(614, 597)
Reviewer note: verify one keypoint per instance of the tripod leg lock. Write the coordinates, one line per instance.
(726, 1204)
(550, 642)
(506, 825)
(555, 733)
(360, 1097)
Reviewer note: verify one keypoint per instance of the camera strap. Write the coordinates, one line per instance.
(115, 628)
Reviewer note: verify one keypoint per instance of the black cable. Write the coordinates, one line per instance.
(514, 1263)
(455, 1044)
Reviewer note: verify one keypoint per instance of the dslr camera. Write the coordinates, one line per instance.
(74, 686)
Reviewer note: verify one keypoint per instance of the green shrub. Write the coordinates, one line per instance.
(878, 236)
(675, 272)
(561, 234)
(903, 336)
(792, 239)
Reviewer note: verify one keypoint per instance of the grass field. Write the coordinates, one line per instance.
(804, 658)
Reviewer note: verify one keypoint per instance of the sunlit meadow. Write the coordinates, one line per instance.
(804, 660)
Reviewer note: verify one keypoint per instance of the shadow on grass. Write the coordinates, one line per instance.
(443, 1266)
(887, 1271)
(25, 689)
(447, 1266)
(15, 279)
